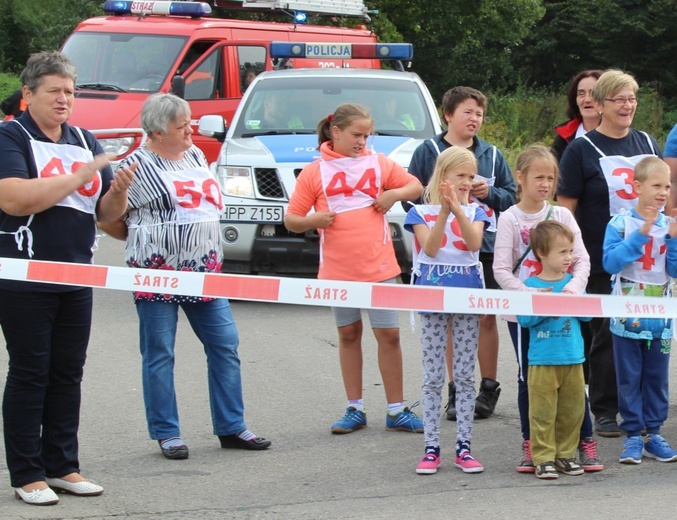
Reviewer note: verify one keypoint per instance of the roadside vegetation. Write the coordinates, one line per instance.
(520, 53)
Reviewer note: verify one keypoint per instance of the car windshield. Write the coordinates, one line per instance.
(122, 62)
(296, 105)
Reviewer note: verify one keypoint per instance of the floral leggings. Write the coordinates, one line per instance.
(465, 330)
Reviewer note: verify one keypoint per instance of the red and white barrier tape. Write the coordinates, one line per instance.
(333, 293)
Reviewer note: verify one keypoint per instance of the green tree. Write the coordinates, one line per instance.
(638, 36)
(462, 42)
(35, 26)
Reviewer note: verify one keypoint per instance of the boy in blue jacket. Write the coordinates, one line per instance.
(555, 377)
(494, 190)
(640, 249)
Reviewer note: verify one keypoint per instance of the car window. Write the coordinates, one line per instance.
(398, 107)
(134, 63)
(201, 83)
(252, 62)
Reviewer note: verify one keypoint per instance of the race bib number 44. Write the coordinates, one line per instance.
(351, 183)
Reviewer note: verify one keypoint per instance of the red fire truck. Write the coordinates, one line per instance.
(143, 47)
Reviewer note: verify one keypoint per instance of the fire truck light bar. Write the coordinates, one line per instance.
(193, 9)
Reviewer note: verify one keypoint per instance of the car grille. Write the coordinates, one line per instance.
(268, 183)
(280, 231)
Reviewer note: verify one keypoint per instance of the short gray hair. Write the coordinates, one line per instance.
(161, 109)
(611, 83)
(47, 63)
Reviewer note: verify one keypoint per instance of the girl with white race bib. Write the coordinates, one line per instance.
(448, 235)
(514, 262)
(350, 190)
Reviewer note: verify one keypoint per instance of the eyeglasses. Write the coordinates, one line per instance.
(620, 101)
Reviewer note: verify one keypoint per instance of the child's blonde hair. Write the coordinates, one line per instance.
(648, 165)
(343, 116)
(542, 237)
(531, 154)
(449, 160)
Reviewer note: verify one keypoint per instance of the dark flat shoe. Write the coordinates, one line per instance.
(233, 441)
(175, 452)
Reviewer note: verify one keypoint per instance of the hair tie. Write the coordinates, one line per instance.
(330, 117)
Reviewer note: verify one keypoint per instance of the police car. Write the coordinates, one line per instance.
(273, 136)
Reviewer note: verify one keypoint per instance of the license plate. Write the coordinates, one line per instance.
(268, 214)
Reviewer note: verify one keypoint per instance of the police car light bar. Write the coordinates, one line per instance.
(381, 51)
(193, 9)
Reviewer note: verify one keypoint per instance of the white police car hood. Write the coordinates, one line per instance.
(290, 153)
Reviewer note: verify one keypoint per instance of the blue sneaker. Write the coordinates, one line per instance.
(405, 421)
(632, 450)
(353, 420)
(658, 448)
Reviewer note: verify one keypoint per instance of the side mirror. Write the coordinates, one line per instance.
(213, 126)
(178, 86)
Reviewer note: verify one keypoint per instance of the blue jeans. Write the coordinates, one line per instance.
(214, 326)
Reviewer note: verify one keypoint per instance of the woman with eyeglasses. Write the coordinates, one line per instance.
(581, 111)
(596, 183)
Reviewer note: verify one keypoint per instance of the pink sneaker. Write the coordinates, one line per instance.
(428, 465)
(527, 464)
(467, 463)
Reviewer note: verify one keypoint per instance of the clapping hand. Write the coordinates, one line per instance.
(85, 172)
(123, 178)
(672, 224)
(450, 202)
(649, 221)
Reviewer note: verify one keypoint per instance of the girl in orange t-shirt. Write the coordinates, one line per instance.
(351, 189)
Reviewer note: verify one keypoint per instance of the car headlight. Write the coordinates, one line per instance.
(118, 145)
(237, 181)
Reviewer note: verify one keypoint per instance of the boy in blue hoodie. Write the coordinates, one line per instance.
(640, 250)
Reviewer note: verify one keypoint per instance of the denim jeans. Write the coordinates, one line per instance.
(46, 335)
(213, 324)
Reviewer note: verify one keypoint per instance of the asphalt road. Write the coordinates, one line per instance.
(293, 392)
